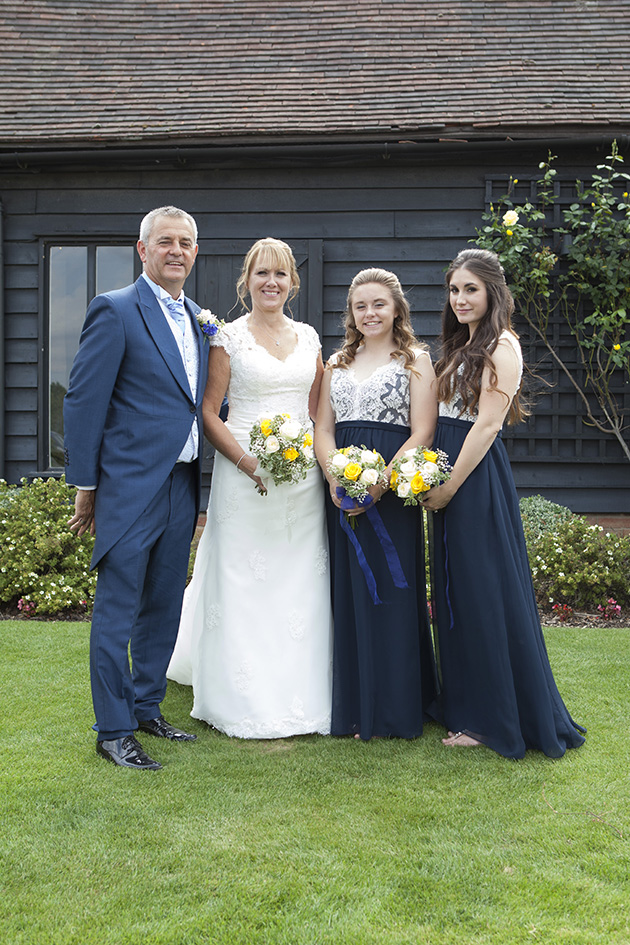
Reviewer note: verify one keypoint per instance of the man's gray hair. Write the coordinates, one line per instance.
(147, 223)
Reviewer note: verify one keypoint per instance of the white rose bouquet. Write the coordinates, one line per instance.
(417, 471)
(283, 447)
(356, 468)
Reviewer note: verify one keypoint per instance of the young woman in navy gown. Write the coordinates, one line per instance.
(497, 686)
(377, 392)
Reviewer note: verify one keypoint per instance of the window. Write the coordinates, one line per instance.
(75, 275)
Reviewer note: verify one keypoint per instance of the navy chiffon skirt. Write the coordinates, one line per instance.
(495, 677)
(383, 666)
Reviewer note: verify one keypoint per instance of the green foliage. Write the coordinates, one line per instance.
(540, 516)
(44, 568)
(589, 284)
(580, 565)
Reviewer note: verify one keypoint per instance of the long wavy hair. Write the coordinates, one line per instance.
(273, 253)
(404, 337)
(475, 355)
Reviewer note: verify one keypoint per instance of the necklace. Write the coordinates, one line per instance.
(264, 327)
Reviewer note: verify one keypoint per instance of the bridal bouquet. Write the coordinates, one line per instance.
(283, 447)
(356, 468)
(210, 324)
(417, 471)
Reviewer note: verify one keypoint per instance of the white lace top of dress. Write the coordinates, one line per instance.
(453, 407)
(260, 384)
(382, 397)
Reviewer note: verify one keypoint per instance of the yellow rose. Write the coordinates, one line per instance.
(510, 217)
(290, 454)
(352, 471)
(418, 485)
(430, 456)
(265, 427)
(509, 233)
(616, 347)
(393, 481)
(308, 440)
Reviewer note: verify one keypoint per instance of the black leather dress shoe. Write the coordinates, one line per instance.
(162, 729)
(127, 752)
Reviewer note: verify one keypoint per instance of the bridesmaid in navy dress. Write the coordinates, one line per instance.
(377, 392)
(497, 686)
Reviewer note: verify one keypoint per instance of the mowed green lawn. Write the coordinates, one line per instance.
(311, 840)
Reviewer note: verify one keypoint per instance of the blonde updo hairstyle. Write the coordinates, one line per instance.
(406, 342)
(269, 252)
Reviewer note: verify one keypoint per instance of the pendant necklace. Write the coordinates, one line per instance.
(264, 327)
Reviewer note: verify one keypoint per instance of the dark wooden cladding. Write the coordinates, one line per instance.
(411, 218)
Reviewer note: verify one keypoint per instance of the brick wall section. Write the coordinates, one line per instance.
(612, 523)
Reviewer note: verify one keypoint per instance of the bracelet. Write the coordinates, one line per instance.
(237, 465)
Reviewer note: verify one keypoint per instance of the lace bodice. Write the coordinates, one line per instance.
(261, 385)
(453, 407)
(381, 397)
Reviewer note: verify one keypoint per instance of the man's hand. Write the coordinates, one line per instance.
(83, 518)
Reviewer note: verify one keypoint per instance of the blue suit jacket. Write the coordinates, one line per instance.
(129, 409)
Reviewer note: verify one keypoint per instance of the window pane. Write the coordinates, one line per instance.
(67, 303)
(71, 272)
(114, 267)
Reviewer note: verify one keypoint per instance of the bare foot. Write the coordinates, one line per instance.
(456, 739)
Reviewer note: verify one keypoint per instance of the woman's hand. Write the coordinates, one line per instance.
(438, 497)
(249, 464)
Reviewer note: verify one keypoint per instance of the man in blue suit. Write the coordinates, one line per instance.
(133, 447)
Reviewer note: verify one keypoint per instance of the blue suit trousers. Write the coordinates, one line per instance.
(137, 607)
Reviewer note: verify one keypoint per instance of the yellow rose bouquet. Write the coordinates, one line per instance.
(356, 468)
(417, 471)
(283, 447)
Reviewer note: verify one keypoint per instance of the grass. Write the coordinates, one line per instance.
(313, 840)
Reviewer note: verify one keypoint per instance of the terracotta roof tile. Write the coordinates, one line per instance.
(159, 70)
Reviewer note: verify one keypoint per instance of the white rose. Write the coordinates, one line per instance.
(429, 472)
(339, 461)
(272, 444)
(403, 489)
(308, 452)
(290, 429)
(368, 458)
(369, 477)
(510, 218)
(410, 452)
(408, 470)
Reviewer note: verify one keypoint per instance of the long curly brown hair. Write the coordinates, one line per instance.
(403, 333)
(475, 355)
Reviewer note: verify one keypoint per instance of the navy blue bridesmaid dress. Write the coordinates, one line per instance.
(497, 684)
(383, 665)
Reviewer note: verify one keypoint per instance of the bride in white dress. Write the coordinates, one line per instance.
(255, 635)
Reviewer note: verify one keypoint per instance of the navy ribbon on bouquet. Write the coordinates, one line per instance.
(391, 555)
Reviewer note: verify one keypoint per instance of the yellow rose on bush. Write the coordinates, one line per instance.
(265, 427)
(418, 485)
(291, 454)
(510, 218)
(352, 471)
(430, 456)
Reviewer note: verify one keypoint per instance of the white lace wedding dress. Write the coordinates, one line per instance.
(255, 635)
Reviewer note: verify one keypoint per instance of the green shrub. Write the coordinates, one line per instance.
(581, 565)
(541, 517)
(44, 568)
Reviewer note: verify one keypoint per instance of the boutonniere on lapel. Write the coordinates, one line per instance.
(210, 324)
